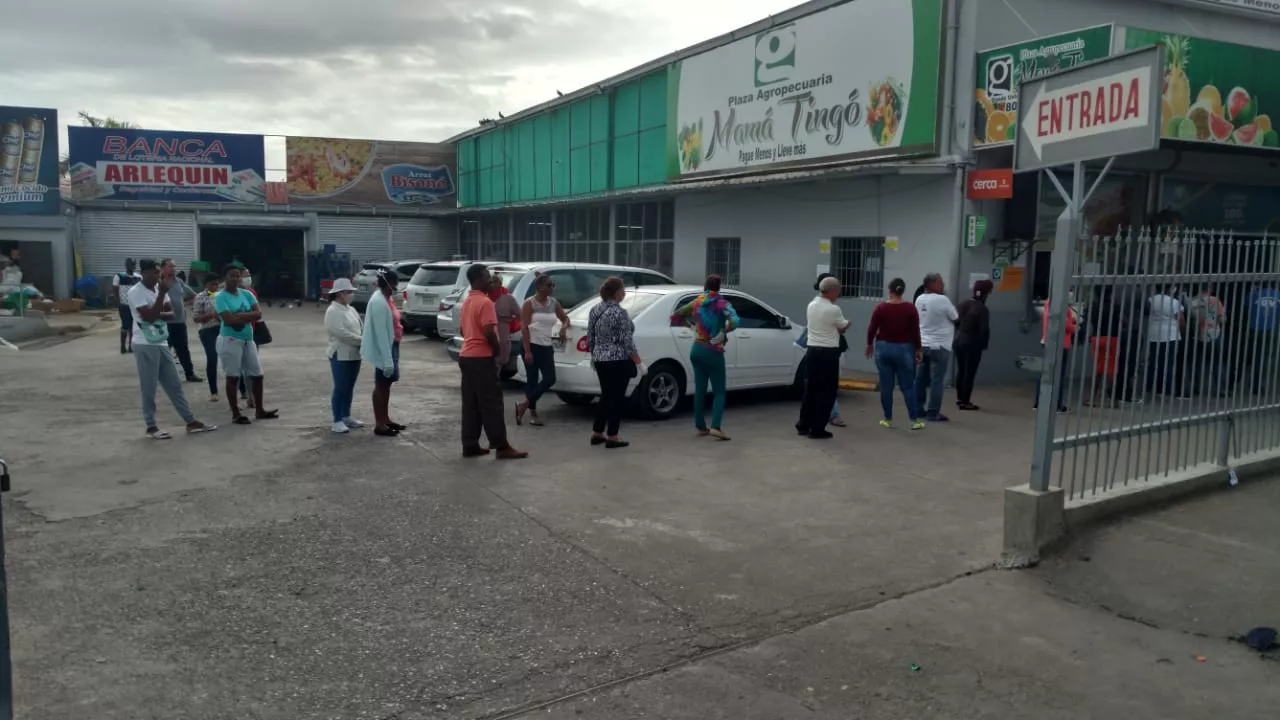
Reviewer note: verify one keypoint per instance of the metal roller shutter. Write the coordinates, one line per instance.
(423, 238)
(107, 237)
(366, 238)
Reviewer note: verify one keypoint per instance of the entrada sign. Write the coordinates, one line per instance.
(990, 184)
(1103, 109)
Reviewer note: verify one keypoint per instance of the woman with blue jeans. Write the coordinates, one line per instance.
(893, 339)
(538, 320)
(345, 335)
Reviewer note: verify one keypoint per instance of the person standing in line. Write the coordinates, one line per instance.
(346, 333)
(1208, 318)
(538, 320)
(1165, 326)
(712, 318)
(120, 285)
(482, 405)
(1264, 310)
(148, 301)
(893, 339)
(380, 346)
(937, 332)
(508, 312)
(1070, 332)
(206, 319)
(1128, 309)
(611, 342)
(1103, 325)
(238, 309)
(973, 336)
(179, 341)
(802, 342)
(826, 326)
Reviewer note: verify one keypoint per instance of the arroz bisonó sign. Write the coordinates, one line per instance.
(857, 80)
(1099, 110)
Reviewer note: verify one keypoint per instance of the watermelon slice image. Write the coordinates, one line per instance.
(1247, 135)
(1220, 129)
(1240, 107)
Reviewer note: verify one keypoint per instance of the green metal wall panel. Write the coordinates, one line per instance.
(484, 189)
(580, 170)
(560, 152)
(653, 101)
(625, 156)
(580, 130)
(466, 156)
(484, 150)
(652, 155)
(599, 166)
(525, 167)
(626, 109)
(599, 118)
(542, 156)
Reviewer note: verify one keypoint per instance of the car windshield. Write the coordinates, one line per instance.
(509, 278)
(431, 276)
(634, 303)
(371, 268)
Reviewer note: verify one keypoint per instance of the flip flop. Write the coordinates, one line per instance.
(718, 435)
(838, 422)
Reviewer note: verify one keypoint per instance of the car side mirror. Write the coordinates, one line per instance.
(784, 323)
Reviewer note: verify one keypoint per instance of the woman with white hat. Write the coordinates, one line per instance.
(345, 333)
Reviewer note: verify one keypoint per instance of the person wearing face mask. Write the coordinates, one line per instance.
(973, 335)
(346, 333)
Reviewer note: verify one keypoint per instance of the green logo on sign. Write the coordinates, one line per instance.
(775, 55)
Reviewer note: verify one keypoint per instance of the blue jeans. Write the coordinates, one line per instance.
(897, 365)
(541, 375)
(345, 373)
(931, 377)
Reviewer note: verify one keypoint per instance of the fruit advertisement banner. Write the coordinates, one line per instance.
(370, 173)
(855, 80)
(1245, 209)
(1002, 71)
(28, 161)
(165, 165)
(1214, 91)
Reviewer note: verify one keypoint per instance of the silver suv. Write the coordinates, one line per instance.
(432, 291)
(366, 280)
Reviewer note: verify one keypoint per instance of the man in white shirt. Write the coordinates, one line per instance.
(1166, 319)
(149, 303)
(937, 331)
(120, 284)
(822, 360)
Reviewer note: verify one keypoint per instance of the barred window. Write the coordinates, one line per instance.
(582, 234)
(532, 239)
(495, 235)
(646, 235)
(858, 262)
(724, 258)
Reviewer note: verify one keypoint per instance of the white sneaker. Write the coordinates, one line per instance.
(340, 428)
(352, 423)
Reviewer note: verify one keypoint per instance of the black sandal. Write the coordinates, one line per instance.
(241, 420)
(397, 427)
(267, 414)
(386, 431)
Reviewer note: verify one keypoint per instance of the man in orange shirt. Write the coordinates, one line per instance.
(482, 405)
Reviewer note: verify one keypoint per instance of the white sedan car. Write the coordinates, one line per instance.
(761, 353)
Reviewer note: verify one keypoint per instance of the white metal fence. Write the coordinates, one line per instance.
(1175, 361)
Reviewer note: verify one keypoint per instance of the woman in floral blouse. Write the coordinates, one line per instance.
(610, 338)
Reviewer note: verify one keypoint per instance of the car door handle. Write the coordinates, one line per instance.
(742, 335)
(682, 334)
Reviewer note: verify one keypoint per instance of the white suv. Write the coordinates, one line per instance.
(428, 289)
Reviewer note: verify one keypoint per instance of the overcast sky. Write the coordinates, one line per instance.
(389, 69)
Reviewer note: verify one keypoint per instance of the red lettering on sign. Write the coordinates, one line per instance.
(1086, 105)
(130, 173)
(1055, 116)
(1043, 118)
(1132, 104)
(1100, 107)
(112, 174)
(112, 144)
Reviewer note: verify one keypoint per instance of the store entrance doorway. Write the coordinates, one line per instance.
(276, 257)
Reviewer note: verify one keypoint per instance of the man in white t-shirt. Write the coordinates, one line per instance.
(937, 331)
(1166, 320)
(822, 360)
(120, 284)
(151, 308)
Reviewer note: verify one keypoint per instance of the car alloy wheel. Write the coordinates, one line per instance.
(661, 392)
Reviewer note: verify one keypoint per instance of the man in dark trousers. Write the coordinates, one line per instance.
(482, 404)
(179, 293)
(973, 335)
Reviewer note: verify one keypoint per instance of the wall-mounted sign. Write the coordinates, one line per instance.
(165, 166)
(855, 80)
(990, 184)
(975, 227)
(1214, 92)
(370, 173)
(1002, 71)
(28, 161)
(1102, 109)
(1239, 208)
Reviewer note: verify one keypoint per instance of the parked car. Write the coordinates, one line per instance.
(366, 280)
(426, 291)
(761, 353)
(575, 282)
(447, 318)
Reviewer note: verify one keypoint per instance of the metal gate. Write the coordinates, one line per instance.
(368, 239)
(423, 239)
(107, 237)
(1174, 364)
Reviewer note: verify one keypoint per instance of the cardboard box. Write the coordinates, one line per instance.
(73, 305)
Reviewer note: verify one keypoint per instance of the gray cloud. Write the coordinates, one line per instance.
(402, 69)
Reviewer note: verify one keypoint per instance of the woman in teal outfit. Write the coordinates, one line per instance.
(712, 319)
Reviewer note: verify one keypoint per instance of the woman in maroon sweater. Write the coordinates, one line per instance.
(893, 338)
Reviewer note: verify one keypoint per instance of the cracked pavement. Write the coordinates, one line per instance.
(278, 571)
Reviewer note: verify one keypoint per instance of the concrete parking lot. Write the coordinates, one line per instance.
(280, 571)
